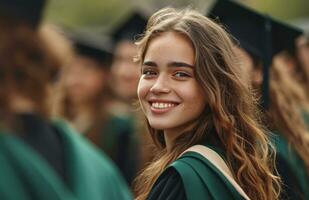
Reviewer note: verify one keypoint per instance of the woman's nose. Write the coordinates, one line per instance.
(161, 85)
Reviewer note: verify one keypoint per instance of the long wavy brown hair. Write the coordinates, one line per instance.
(287, 101)
(27, 65)
(231, 117)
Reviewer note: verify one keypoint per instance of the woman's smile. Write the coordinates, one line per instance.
(161, 107)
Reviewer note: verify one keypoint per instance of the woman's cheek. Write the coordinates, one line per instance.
(142, 89)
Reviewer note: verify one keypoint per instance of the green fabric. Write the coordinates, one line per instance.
(296, 164)
(25, 175)
(10, 185)
(119, 141)
(202, 180)
(113, 129)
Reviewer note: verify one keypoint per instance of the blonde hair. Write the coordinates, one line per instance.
(287, 101)
(231, 115)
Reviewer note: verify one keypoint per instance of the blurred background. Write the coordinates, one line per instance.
(89, 77)
(103, 14)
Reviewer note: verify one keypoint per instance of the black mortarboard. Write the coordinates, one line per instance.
(284, 36)
(93, 45)
(130, 28)
(28, 10)
(261, 36)
(246, 25)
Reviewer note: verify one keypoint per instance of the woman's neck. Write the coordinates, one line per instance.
(168, 141)
(170, 135)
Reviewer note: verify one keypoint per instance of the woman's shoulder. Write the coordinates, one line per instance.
(191, 162)
(201, 178)
(92, 165)
(168, 186)
(190, 177)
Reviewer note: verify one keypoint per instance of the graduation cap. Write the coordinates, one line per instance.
(284, 37)
(130, 28)
(28, 10)
(261, 36)
(93, 45)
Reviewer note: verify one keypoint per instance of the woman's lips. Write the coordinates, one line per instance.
(159, 107)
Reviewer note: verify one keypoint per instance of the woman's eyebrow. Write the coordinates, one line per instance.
(150, 64)
(179, 64)
(170, 64)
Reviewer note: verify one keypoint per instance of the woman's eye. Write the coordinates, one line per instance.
(149, 73)
(181, 74)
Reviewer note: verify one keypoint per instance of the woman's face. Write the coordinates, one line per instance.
(125, 73)
(84, 79)
(170, 96)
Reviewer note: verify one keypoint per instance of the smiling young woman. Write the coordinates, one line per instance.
(201, 116)
(170, 96)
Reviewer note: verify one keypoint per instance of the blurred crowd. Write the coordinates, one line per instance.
(69, 97)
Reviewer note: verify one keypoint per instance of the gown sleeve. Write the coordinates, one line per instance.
(169, 186)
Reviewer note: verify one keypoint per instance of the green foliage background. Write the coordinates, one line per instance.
(104, 14)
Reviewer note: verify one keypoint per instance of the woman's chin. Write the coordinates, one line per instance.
(158, 126)
(166, 125)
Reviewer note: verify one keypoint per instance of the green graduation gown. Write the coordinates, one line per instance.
(193, 177)
(26, 175)
(292, 169)
(118, 140)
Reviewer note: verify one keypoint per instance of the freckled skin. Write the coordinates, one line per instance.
(171, 83)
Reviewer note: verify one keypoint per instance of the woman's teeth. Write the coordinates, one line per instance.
(162, 105)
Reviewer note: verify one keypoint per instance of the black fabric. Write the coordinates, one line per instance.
(44, 139)
(168, 187)
(93, 45)
(131, 28)
(28, 11)
(290, 187)
(126, 158)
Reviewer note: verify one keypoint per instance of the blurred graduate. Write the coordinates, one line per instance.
(41, 158)
(124, 79)
(86, 96)
(262, 41)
